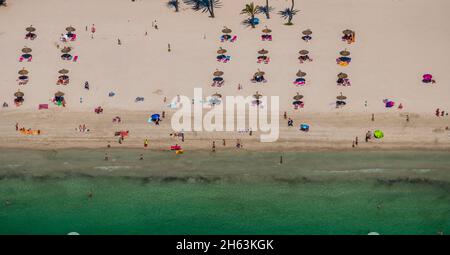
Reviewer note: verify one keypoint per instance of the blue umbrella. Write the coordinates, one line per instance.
(155, 116)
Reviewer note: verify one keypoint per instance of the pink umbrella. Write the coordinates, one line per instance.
(427, 76)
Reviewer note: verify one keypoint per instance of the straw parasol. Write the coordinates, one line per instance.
(226, 30)
(263, 51)
(66, 50)
(341, 97)
(303, 52)
(23, 72)
(257, 95)
(342, 75)
(70, 29)
(59, 94)
(26, 50)
(221, 51)
(300, 73)
(266, 30)
(307, 32)
(217, 95)
(63, 71)
(298, 96)
(218, 73)
(259, 73)
(19, 94)
(30, 29)
(345, 53)
(347, 32)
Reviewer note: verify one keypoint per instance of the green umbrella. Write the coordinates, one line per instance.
(378, 134)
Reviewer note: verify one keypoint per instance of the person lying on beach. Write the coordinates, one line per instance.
(304, 58)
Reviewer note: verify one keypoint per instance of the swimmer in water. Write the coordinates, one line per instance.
(90, 194)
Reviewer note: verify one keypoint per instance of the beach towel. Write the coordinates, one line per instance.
(234, 38)
(43, 106)
(75, 59)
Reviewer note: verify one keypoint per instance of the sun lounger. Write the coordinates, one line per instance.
(21, 59)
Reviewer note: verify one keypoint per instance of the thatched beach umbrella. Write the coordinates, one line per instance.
(307, 32)
(263, 51)
(19, 94)
(217, 95)
(218, 73)
(221, 51)
(341, 97)
(266, 30)
(26, 50)
(342, 75)
(30, 29)
(303, 52)
(70, 29)
(298, 96)
(63, 71)
(345, 53)
(257, 95)
(301, 74)
(66, 50)
(23, 72)
(347, 32)
(59, 94)
(259, 73)
(226, 30)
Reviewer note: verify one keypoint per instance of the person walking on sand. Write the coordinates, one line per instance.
(168, 47)
(373, 117)
(281, 159)
(141, 157)
(285, 115)
(223, 142)
(356, 141)
(17, 126)
(119, 42)
(437, 112)
(146, 143)
(407, 117)
(213, 146)
(93, 29)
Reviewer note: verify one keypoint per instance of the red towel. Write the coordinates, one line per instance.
(43, 106)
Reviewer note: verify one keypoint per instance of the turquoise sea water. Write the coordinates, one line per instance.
(224, 193)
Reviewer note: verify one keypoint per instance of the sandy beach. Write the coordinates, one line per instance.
(397, 41)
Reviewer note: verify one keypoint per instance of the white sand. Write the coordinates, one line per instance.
(396, 42)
